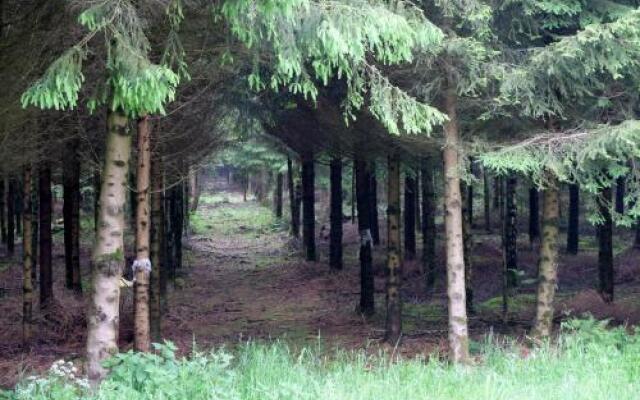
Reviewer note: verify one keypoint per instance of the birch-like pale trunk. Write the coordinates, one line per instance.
(458, 329)
(108, 251)
(548, 263)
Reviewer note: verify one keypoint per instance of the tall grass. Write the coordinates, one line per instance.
(587, 362)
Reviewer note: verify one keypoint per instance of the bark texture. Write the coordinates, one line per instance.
(393, 328)
(511, 228)
(468, 244)
(157, 247)
(487, 200)
(605, 246)
(410, 216)
(108, 252)
(278, 194)
(548, 263)
(71, 217)
(308, 207)
(3, 215)
(27, 260)
(44, 240)
(11, 216)
(363, 179)
(458, 329)
(294, 203)
(534, 215)
(374, 219)
(335, 239)
(142, 265)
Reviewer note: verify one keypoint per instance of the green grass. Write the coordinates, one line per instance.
(249, 219)
(587, 362)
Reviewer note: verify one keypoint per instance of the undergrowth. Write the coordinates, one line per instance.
(587, 361)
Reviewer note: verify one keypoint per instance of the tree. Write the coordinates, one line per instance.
(71, 217)
(363, 180)
(573, 231)
(335, 249)
(410, 216)
(393, 328)
(308, 207)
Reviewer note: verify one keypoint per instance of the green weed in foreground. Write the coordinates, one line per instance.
(588, 362)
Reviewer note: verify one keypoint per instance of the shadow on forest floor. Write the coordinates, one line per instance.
(243, 278)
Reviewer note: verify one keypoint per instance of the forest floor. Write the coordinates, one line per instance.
(243, 279)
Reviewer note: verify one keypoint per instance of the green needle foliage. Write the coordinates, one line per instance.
(312, 42)
(134, 84)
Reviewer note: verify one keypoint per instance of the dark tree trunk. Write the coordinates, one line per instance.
(511, 229)
(3, 219)
(620, 193)
(19, 207)
(534, 215)
(170, 206)
(497, 193)
(294, 203)
(573, 231)
(35, 223)
(393, 326)
(605, 246)
(363, 186)
(418, 201)
(178, 225)
(353, 192)
(71, 218)
(469, 198)
(636, 242)
(410, 216)
(374, 219)
(11, 216)
(133, 196)
(308, 207)
(158, 272)
(428, 223)
(467, 238)
(335, 241)
(487, 200)
(27, 260)
(278, 194)
(46, 275)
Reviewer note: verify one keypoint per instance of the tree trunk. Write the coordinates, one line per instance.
(177, 226)
(19, 205)
(620, 193)
(468, 243)
(548, 262)
(97, 184)
(11, 216)
(353, 192)
(428, 223)
(278, 194)
(308, 207)
(142, 265)
(458, 330)
(393, 329)
(169, 254)
(294, 203)
(534, 215)
(573, 232)
(363, 199)
(511, 229)
(35, 231)
(417, 202)
(469, 201)
(158, 278)
(409, 216)
(374, 218)
(27, 260)
(497, 193)
(3, 220)
(195, 189)
(108, 252)
(71, 217)
(44, 216)
(605, 246)
(487, 200)
(335, 240)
